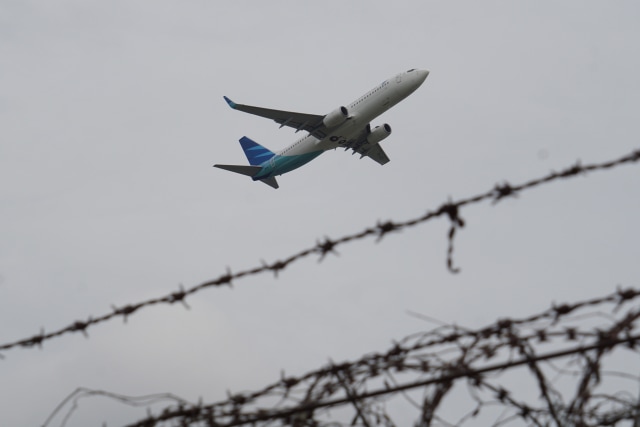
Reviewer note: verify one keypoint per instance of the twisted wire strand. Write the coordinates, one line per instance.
(449, 209)
(501, 347)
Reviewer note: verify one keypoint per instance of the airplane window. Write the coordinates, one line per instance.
(413, 69)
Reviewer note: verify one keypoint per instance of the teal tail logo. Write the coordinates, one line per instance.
(256, 153)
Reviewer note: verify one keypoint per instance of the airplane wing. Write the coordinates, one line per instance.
(361, 146)
(311, 123)
(374, 152)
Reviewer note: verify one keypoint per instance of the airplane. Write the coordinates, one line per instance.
(346, 126)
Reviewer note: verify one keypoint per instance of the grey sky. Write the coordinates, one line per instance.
(111, 116)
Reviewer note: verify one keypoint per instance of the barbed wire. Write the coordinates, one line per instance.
(450, 210)
(73, 401)
(438, 361)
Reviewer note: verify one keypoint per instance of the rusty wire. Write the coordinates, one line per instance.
(449, 357)
(450, 209)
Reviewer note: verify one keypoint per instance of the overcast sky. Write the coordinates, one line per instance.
(111, 117)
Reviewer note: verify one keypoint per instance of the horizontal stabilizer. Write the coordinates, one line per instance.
(249, 171)
(241, 169)
(271, 182)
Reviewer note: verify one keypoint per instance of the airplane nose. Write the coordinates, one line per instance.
(422, 75)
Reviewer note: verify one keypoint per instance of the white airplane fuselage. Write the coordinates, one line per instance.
(361, 112)
(347, 126)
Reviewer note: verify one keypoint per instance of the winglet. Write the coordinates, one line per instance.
(230, 102)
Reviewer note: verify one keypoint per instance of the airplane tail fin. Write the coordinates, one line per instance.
(249, 171)
(256, 153)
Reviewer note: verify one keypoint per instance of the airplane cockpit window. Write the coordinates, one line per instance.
(413, 69)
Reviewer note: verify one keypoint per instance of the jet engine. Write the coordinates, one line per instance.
(336, 117)
(379, 133)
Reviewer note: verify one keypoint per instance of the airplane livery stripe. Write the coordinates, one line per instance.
(256, 153)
